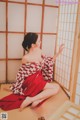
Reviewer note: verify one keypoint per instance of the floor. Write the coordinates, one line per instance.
(68, 111)
(46, 109)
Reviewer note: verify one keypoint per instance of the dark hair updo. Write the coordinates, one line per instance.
(29, 39)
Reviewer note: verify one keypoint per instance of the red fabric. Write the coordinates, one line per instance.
(31, 86)
(25, 70)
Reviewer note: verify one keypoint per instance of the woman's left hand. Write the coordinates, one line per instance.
(61, 48)
(60, 51)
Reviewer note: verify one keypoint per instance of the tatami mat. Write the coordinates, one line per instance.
(46, 109)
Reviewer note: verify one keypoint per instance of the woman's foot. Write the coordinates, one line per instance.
(25, 103)
(6, 89)
(35, 103)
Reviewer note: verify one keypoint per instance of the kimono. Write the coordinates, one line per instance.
(30, 81)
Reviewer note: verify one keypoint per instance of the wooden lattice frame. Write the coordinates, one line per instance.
(41, 33)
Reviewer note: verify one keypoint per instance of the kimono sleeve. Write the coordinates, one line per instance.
(47, 70)
(17, 86)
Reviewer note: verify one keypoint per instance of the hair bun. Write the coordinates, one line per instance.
(29, 39)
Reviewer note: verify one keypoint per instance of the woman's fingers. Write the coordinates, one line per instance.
(61, 48)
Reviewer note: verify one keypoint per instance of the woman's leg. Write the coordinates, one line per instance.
(35, 103)
(48, 91)
(48, 86)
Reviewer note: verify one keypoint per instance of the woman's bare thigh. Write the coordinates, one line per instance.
(51, 85)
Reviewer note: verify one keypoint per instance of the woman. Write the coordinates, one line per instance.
(33, 78)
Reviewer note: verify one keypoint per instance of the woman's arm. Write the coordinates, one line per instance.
(59, 52)
(24, 59)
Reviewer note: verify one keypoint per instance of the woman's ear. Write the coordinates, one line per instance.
(33, 45)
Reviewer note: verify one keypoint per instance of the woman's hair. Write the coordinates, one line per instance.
(29, 39)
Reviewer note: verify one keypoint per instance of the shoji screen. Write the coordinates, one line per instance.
(66, 34)
(2, 42)
(49, 28)
(17, 17)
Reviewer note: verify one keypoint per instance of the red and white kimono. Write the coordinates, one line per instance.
(30, 80)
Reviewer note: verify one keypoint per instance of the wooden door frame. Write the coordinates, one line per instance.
(75, 58)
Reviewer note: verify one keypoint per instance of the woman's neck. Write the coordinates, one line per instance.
(32, 50)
